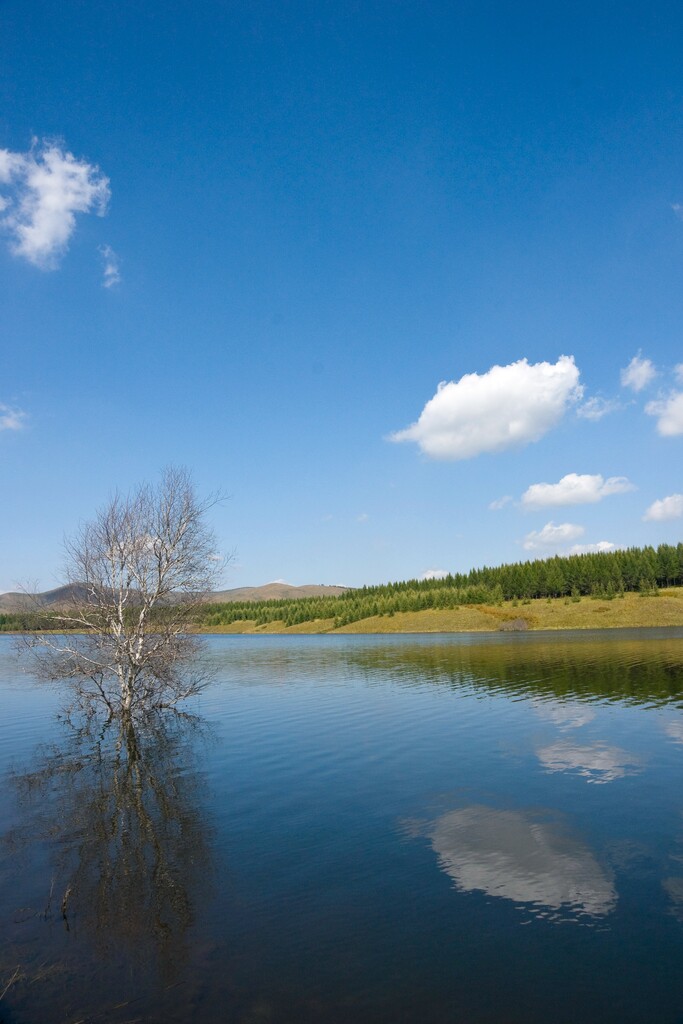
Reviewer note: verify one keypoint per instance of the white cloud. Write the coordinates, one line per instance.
(638, 374)
(10, 164)
(678, 209)
(666, 508)
(678, 372)
(434, 574)
(575, 489)
(552, 536)
(362, 518)
(595, 408)
(45, 189)
(506, 407)
(500, 502)
(592, 549)
(11, 419)
(111, 273)
(669, 412)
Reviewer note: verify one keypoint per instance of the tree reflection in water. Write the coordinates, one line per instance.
(120, 813)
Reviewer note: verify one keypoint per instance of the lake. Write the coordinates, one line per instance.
(466, 829)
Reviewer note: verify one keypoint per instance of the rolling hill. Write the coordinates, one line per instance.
(21, 602)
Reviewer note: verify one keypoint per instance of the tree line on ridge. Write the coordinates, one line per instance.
(602, 574)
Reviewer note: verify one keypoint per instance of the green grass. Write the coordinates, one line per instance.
(631, 610)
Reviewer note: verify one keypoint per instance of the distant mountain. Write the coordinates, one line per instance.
(276, 592)
(75, 592)
(18, 602)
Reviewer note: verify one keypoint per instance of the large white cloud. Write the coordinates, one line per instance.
(669, 412)
(506, 407)
(638, 374)
(43, 191)
(575, 489)
(670, 507)
(552, 536)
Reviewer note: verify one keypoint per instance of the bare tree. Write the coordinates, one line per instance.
(137, 572)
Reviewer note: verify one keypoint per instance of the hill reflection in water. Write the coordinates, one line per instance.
(638, 665)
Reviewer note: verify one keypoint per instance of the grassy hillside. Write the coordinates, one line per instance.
(665, 609)
(604, 576)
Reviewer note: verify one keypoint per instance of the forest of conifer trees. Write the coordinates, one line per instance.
(603, 574)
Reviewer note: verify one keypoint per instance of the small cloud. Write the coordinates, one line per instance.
(592, 549)
(434, 574)
(669, 413)
(678, 373)
(44, 190)
(500, 502)
(506, 407)
(328, 518)
(595, 408)
(665, 509)
(575, 489)
(678, 210)
(638, 374)
(362, 518)
(11, 419)
(552, 536)
(111, 273)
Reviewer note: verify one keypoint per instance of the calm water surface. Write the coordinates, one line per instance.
(356, 829)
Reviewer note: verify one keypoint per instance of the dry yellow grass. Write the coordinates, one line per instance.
(629, 611)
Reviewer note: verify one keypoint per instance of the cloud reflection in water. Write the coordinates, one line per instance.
(564, 714)
(596, 762)
(674, 730)
(513, 855)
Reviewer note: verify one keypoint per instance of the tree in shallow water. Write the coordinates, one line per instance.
(136, 573)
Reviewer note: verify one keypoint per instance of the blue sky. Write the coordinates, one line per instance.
(253, 239)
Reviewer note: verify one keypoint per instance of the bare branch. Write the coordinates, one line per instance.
(136, 572)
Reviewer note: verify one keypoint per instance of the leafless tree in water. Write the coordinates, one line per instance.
(137, 572)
